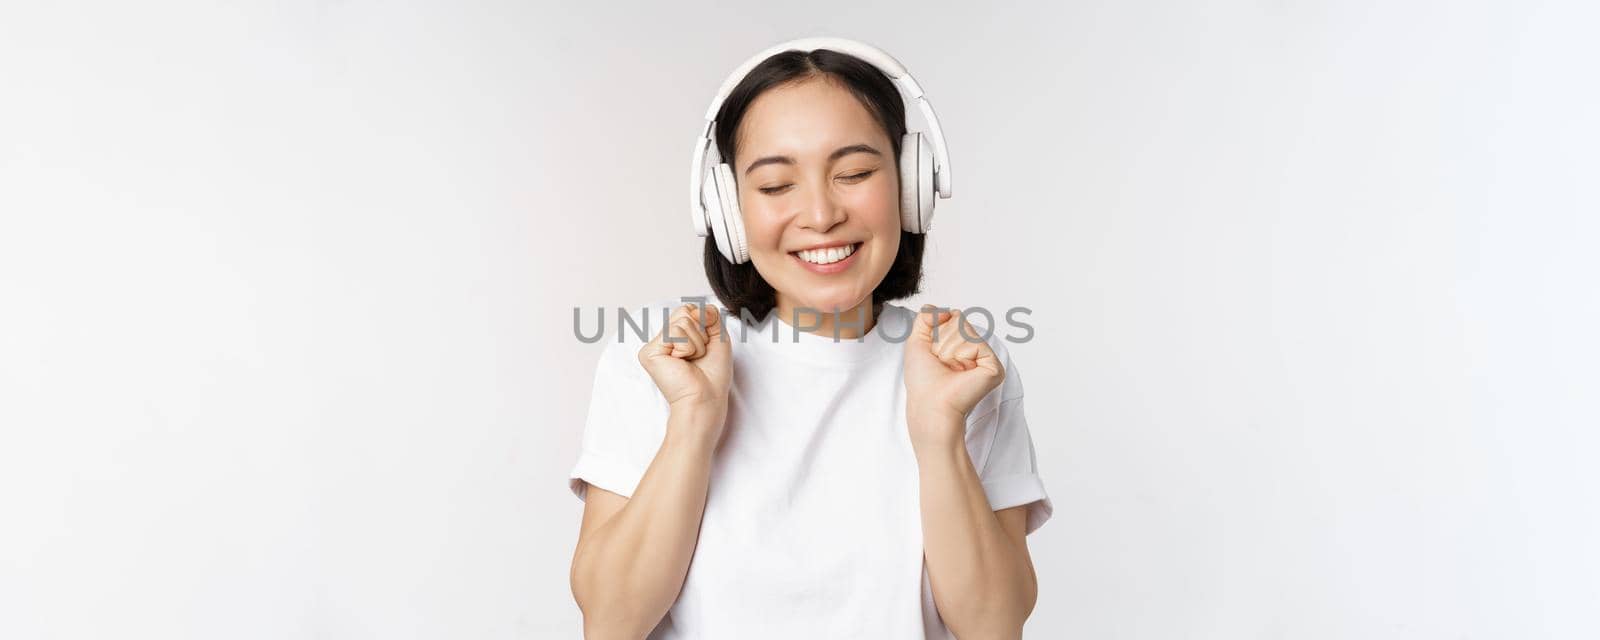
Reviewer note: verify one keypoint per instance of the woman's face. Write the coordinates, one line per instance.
(814, 169)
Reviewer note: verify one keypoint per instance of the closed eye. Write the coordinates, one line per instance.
(849, 179)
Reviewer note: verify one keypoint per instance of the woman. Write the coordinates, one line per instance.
(746, 474)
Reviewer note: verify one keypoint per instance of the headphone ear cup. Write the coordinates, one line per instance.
(712, 199)
(732, 220)
(916, 183)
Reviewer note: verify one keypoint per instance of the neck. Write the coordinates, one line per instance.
(851, 323)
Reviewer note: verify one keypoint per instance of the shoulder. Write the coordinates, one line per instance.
(1011, 387)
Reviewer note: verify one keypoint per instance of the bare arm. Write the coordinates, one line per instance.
(978, 564)
(633, 553)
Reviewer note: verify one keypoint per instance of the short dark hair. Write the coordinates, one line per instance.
(739, 287)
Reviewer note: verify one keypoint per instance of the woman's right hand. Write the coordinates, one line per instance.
(693, 371)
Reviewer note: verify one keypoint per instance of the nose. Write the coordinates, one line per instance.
(821, 211)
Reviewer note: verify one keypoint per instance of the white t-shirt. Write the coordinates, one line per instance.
(812, 526)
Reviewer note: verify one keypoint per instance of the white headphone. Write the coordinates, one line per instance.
(924, 171)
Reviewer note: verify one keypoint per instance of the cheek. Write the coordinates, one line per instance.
(762, 228)
(878, 204)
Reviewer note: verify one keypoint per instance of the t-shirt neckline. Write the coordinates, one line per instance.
(823, 348)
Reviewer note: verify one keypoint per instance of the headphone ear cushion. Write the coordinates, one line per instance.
(916, 183)
(732, 220)
(712, 199)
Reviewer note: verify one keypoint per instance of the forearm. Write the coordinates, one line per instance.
(982, 583)
(627, 574)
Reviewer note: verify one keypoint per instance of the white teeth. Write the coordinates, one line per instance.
(826, 256)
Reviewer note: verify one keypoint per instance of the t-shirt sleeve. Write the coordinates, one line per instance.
(1002, 448)
(626, 422)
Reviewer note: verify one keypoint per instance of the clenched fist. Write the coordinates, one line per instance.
(946, 377)
(693, 369)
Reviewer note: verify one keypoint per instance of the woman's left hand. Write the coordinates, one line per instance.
(945, 378)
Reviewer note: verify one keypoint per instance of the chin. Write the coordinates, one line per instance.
(827, 301)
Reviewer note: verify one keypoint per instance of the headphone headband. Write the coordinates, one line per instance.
(872, 55)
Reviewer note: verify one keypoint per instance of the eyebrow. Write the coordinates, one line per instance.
(837, 153)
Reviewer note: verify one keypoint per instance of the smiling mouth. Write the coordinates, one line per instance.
(826, 256)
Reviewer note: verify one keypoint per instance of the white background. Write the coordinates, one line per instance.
(286, 293)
